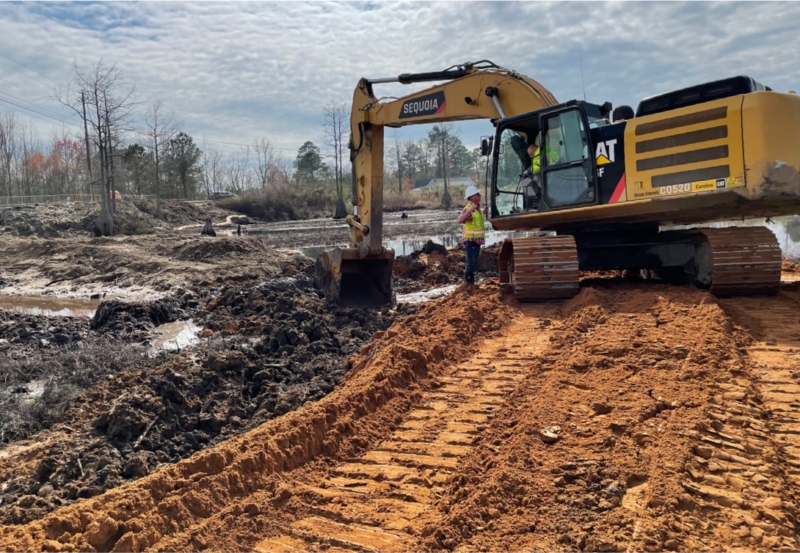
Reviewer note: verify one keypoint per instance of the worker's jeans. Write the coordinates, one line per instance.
(471, 251)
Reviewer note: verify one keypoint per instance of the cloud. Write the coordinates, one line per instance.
(236, 71)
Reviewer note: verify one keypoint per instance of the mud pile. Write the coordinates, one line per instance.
(385, 379)
(271, 348)
(160, 263)
(435, 265)
(133, 216)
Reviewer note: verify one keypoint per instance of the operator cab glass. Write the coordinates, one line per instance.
(567, 172)
(564, 174)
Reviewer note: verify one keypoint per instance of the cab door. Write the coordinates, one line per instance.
(568, 171)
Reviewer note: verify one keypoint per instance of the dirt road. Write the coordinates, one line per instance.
(633, 417)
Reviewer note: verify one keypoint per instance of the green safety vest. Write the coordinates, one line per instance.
(473, 230)
(536, 163)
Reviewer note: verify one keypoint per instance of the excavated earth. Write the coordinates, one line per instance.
(636, 416)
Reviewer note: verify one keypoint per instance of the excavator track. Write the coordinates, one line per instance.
(540, 267)
(370, 503)
(739, 261)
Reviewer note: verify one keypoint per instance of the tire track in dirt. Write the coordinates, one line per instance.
(370, 503)
(767, 411)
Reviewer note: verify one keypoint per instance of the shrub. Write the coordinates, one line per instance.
(283, 204)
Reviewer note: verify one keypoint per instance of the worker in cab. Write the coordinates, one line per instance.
(473, 233)
(533, 186)
(535, 153)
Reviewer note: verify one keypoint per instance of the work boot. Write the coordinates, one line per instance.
(469, 278)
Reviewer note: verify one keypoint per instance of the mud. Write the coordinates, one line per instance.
(385, 380)
(269, 349)
(434, 265)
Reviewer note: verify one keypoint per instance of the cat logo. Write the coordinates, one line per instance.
(605, 152)
(721, 183)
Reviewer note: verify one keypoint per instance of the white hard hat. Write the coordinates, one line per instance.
(471, 191)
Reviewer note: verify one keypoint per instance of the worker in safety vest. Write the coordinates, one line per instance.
(472, 231)
(536, 158)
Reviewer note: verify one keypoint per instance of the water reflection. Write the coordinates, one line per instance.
(407, 246)
(176, 336)
(49, 306)
(426, 295)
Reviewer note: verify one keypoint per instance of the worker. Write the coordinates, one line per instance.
(536, 159)
(472, 235)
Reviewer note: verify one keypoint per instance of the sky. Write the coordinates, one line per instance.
(238, 71)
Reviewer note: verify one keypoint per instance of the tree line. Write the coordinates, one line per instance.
(133, 149)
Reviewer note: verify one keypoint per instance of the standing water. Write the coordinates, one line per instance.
(49, 306)
(407, 246)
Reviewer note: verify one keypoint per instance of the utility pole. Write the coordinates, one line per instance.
(86, 134)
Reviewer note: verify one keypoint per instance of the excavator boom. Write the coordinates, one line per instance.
(362, 273)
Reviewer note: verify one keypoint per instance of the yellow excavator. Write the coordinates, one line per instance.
(616, 195)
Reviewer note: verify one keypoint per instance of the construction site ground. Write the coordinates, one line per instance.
(635, 416)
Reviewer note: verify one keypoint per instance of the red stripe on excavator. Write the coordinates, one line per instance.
(618, 190)
(441, 108)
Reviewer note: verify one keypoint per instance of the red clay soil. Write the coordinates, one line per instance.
(790, 267)
(632, 417)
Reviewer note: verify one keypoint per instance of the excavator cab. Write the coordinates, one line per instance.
(567, 135)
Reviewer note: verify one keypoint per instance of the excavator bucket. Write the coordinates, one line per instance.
(350, 280)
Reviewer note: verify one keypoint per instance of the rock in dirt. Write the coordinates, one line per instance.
(551, 434)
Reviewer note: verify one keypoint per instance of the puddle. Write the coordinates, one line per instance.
(49, 306)
(426, 295)
(407, 246)
(175, 336)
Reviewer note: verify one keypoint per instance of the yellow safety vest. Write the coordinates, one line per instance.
(473, 230)
(536, 162)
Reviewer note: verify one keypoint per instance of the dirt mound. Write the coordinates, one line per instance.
(435, 265)
(384, 381)
(604, 447)
(208, 248)
(790, 267)
(133, 216)
(74, 219)
(125, 318)
(160, 262)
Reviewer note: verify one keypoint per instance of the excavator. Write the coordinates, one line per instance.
(617, 195)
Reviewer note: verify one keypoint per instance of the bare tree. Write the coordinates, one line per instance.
(266, 160)
(398, 151)
(8, 152)
(334, 123)
(96, 97)
(29, 154)
(238, 170)
(161, 128)
(212, 163)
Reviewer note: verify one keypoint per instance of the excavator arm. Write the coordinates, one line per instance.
(362, 273)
